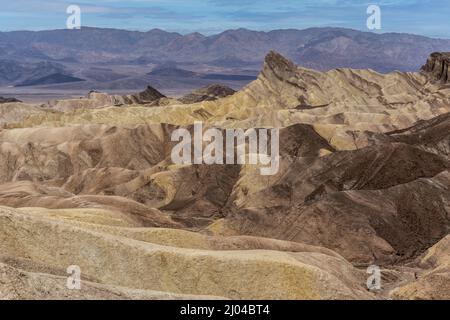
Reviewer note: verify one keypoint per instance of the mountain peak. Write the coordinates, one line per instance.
(149, 95)
(438, 66)
(278, 63)
(194, 35)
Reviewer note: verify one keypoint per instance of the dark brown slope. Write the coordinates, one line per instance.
(432, 135)
(438, 67)
(384, 203)
(304, 179)
(384, 226)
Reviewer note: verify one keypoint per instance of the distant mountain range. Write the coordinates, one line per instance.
(119, 55)
(181, 73)
(55, 78)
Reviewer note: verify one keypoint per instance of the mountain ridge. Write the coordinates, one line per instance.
(233, 43)
(126, 60)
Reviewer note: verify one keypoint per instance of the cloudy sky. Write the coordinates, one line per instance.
(426, 17)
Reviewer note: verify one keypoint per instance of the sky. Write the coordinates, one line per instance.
(424, 17)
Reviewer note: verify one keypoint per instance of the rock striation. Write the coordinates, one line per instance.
(438, 67)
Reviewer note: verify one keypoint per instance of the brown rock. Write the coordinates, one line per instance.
(208, 93)
(438, 66)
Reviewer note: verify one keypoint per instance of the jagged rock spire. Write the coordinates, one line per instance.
(278, 64)
(437, 66)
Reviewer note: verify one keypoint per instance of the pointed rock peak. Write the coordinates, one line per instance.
(150, 94)
(276, 62)
(438, 67)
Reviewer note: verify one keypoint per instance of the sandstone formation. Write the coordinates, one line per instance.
(364, 178)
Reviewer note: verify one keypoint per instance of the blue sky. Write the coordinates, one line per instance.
(426, 17)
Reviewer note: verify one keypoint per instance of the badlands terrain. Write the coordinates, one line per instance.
(364, 180)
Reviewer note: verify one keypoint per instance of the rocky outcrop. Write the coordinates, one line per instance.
(149, 95)
(438, 67)
(8, 100)
(279, 66)
(94, 99)
(208, 93)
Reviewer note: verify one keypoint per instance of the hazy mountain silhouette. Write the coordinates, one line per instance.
(111, 59)
(50, 79)
(322, 48)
